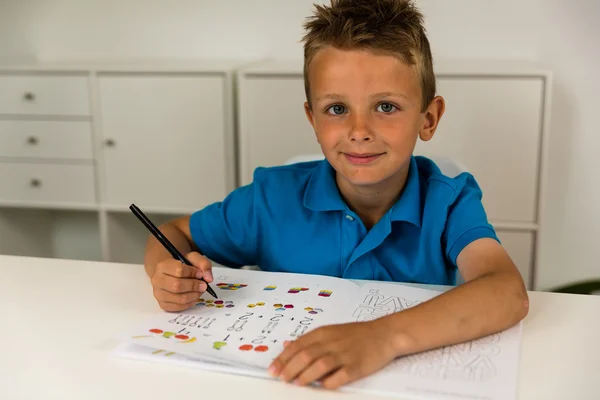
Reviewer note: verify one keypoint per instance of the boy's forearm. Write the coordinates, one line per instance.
(455, 317)
(155, 251)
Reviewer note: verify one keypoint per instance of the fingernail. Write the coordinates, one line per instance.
(199, 274)
(272, 370)
(209, 275)
(286, 343)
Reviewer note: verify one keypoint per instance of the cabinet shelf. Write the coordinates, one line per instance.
(126, 236)
(70, 234)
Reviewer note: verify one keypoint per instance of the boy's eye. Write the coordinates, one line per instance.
(386, 107)
(336, 109)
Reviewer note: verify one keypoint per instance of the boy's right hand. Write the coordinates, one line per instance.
(177, 286)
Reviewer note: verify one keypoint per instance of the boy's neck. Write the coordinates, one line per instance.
(371, 203)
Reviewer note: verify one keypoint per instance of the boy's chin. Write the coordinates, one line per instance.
(365, 180)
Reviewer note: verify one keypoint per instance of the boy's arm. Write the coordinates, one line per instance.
(492, 298)
(176, 286)
(224, 232)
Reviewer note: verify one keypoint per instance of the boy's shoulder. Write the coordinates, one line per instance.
(443, 175)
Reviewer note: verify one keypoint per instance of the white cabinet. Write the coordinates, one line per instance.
(79, 144)
(164, 142)
(48, 193)
(492, 126)
(495, 125)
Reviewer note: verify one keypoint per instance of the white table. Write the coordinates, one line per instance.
(59, 319)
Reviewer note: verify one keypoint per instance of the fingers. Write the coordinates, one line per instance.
(178, 285)
(300, 355)
(296, 346)
(176, 301)
(321, 367)
(178, 269)
(339, 378)
(331, 355)
(318, 364)
(203, 264)
(181, 299)
(299, 362)
(174, 307)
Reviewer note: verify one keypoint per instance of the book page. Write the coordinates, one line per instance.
(486, 368)
(255, 314)
(134, 351)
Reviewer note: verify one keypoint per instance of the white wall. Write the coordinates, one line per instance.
(561, 34)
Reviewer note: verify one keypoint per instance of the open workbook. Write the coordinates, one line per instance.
(245, 329)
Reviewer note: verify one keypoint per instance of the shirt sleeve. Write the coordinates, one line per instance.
(226, 231)
(467, 220)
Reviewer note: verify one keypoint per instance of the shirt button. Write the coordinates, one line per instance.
(349, 217)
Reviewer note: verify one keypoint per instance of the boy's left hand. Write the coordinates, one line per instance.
(336, 354)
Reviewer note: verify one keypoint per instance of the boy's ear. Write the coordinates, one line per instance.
(309, 114)
(432, 117)
(311, 117)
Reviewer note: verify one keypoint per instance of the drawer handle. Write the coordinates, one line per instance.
(109, 143)
(35, 183)
(32, 140)
(29, 96)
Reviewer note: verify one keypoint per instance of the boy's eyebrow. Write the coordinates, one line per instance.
(389, 94)
(332, 96)
(335, 96)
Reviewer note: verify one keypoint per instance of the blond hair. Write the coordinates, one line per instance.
(392, 27)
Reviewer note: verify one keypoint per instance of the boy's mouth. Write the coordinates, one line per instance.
(362, 158)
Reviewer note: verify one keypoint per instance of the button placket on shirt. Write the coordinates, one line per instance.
(353, 233)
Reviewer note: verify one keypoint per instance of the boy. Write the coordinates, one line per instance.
(369, 211)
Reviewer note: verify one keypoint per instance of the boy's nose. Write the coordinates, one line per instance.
(359, 131)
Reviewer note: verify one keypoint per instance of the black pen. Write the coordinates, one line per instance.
(165, 242)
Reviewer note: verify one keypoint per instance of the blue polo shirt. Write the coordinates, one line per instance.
(293, 219)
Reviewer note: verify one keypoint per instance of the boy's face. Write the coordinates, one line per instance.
(366, 113)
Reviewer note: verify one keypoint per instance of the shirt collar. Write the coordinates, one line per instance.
(408, 207)
(322, 194)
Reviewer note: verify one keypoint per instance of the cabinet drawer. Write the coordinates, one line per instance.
(47, 184)
(520, 247)
(46, 139)
(44, 94)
